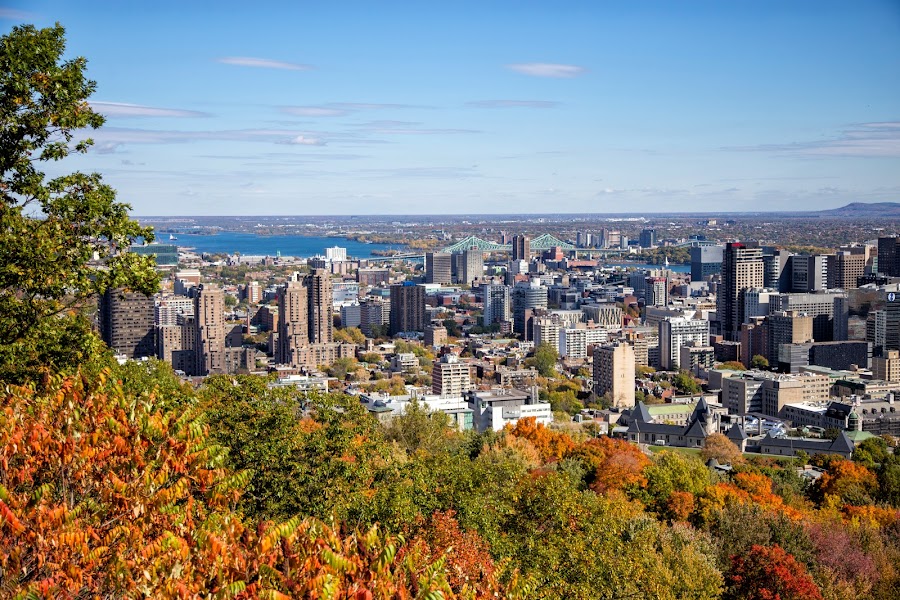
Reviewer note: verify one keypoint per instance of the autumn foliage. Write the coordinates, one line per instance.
(552, 445)
(100, 495)
(769, 573)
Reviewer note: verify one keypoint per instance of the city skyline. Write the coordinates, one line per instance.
(507, 108)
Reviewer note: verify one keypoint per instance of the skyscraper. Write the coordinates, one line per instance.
(705, 261)
(648, 238)
(407, 307)
(438, 268)
(209, 330)
(293, 323)
(319, 307)
(521, 248)
(469, 265)
(889, 256)
(525, 296)
(742, 268)
(127, 323)
(496, 303)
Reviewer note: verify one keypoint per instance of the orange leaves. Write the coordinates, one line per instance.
(617, 464)
(552, 445)
(769, 573)
(849, 481)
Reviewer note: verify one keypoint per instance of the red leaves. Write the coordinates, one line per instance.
(769, 573)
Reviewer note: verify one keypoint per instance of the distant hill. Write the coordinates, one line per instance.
(864, 209)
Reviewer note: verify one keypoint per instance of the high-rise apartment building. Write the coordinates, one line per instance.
(438, 268)
(319, 307)
(209, 330)
(407, 308)
(521, 248)
(127, 323)
(526, 295)
(497, 307)
(656, 291)
(614, 371)
(887, 367)
(373, 313)
(742, 268)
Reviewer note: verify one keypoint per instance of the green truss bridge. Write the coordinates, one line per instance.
(542, 242)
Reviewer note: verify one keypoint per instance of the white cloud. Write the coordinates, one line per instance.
(302, 140)
(263, 63)
(314, 111)
(554, 70)
(513, 104)
(121, 109)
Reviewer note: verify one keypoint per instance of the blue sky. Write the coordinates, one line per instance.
(488, 107)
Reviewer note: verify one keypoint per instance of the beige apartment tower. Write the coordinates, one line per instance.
(209, 330)
(614, 373)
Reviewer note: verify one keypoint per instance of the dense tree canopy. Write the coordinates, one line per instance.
(77, 232)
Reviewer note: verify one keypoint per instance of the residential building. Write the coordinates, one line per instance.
(497, 308)
(614, 373)
(887, 367)
(439, 268)
(407, 308)
(127, 323)
(450, 377)
(521, 248)
(209, 330)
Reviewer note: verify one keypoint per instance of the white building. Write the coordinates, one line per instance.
(336, 253)
(449, 377)
(676, 332)
(574, 341)
(495, 409)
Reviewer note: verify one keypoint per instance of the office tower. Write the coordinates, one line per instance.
(742, 268)
(786, 327)
(614, 371)
(438, 268)
(876, 331)
(407, 308)
(521, 248)
(450, 378)
(336, 253)
(777, 270)
(374, 315)
(891, 320)
(469, 265)
(648, 238)
(293, 325)
(209, 330)
(706, 261)
(127, 323)
(809, 273)
(674, 332)
(849, 267)
(319, 307)
(827, 322)
(496, 303)
(656, 291)
(526, 296)
(889, 256)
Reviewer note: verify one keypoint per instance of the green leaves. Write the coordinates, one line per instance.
(65, 240)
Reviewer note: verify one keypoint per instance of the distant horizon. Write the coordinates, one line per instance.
(520, 214)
